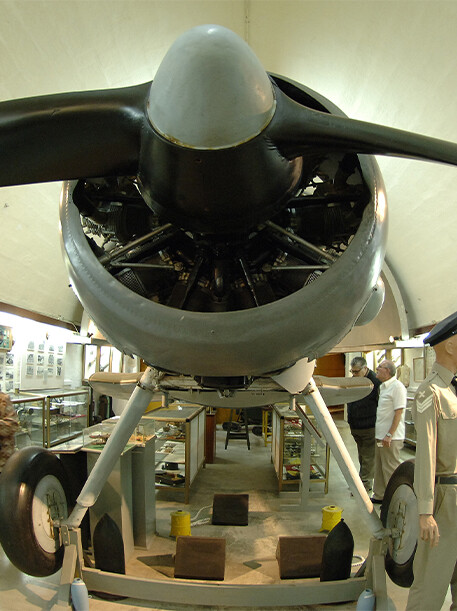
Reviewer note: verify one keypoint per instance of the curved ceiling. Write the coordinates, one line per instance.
(379, 61)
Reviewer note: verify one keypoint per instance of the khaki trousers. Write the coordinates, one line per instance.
(366, 444)
(435, 568)
(386, 460)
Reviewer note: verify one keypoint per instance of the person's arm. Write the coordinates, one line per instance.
(425, 466)
(399, 404)
(429, 529)
(393, 427)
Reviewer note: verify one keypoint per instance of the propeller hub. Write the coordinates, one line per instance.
(210, 91)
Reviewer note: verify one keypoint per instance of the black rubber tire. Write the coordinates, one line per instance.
(20, 536)
(401, 573)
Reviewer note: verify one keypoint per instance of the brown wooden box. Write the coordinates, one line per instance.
(230, 509)
(300, 556)
(200, 558)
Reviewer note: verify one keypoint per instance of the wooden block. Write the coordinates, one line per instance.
(300, 557)
(200, 558)
(230, 509)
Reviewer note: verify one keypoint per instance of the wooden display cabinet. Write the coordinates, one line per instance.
(180, 446)
(290, 434)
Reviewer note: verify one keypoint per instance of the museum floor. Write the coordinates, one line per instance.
(236, 470)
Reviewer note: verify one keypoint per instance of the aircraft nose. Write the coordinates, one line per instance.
(210, 91)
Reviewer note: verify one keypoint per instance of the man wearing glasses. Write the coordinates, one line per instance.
(362, 420)
(390, 427)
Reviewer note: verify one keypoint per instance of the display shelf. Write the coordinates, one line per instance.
(180, 446)
(288, 438)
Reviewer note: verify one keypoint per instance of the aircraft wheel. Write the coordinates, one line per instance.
(33, 492)
(399, 511)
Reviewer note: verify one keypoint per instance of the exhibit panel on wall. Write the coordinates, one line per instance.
(33, 354)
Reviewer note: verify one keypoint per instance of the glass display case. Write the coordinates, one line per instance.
(96, 436)
(67, 414)
(289, 434)
(30, 410)
(180, 445)
(51, 419)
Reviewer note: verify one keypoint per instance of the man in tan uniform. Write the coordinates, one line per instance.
(8, 426)
(435, 475)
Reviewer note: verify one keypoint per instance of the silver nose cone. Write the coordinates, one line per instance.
(210, 91)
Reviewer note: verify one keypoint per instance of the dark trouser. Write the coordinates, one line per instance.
(366, 444)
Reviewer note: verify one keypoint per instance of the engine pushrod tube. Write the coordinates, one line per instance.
(144, 265)
(133, 411)
(296, 238)
(328, 427)
(287, 268)
(120, 251)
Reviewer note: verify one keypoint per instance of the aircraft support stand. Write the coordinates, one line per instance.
(133, 411)
(211, 593)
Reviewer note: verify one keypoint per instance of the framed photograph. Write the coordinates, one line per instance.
(9, 359)
(31, 358)
(40, 359)
(50, 371)
(419, 369)
(30, 370)
(59, 361)
(6, 338)
(60, 349)
(50, 359)
(51, 348)
(9, 386)
(31, 345)
(58, 371)
(116, 360)
(39, 371)
(105, 358)
(41, 346)
(429, 359)
(90, 360)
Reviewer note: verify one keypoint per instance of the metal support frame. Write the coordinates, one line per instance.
(129, 419)
(302, 592)
(329, 430)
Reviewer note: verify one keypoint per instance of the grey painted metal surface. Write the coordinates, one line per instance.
(247, 342)
(306, 592)
(130, 417)
(185, 110)
(329, 430)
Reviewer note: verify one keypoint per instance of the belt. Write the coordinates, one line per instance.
(446, 479)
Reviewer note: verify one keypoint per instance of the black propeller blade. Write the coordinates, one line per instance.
(71, 135)
(297, 130)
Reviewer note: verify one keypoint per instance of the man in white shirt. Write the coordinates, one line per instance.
(389, 429)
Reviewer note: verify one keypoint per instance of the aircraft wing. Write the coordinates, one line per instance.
(262, 392)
